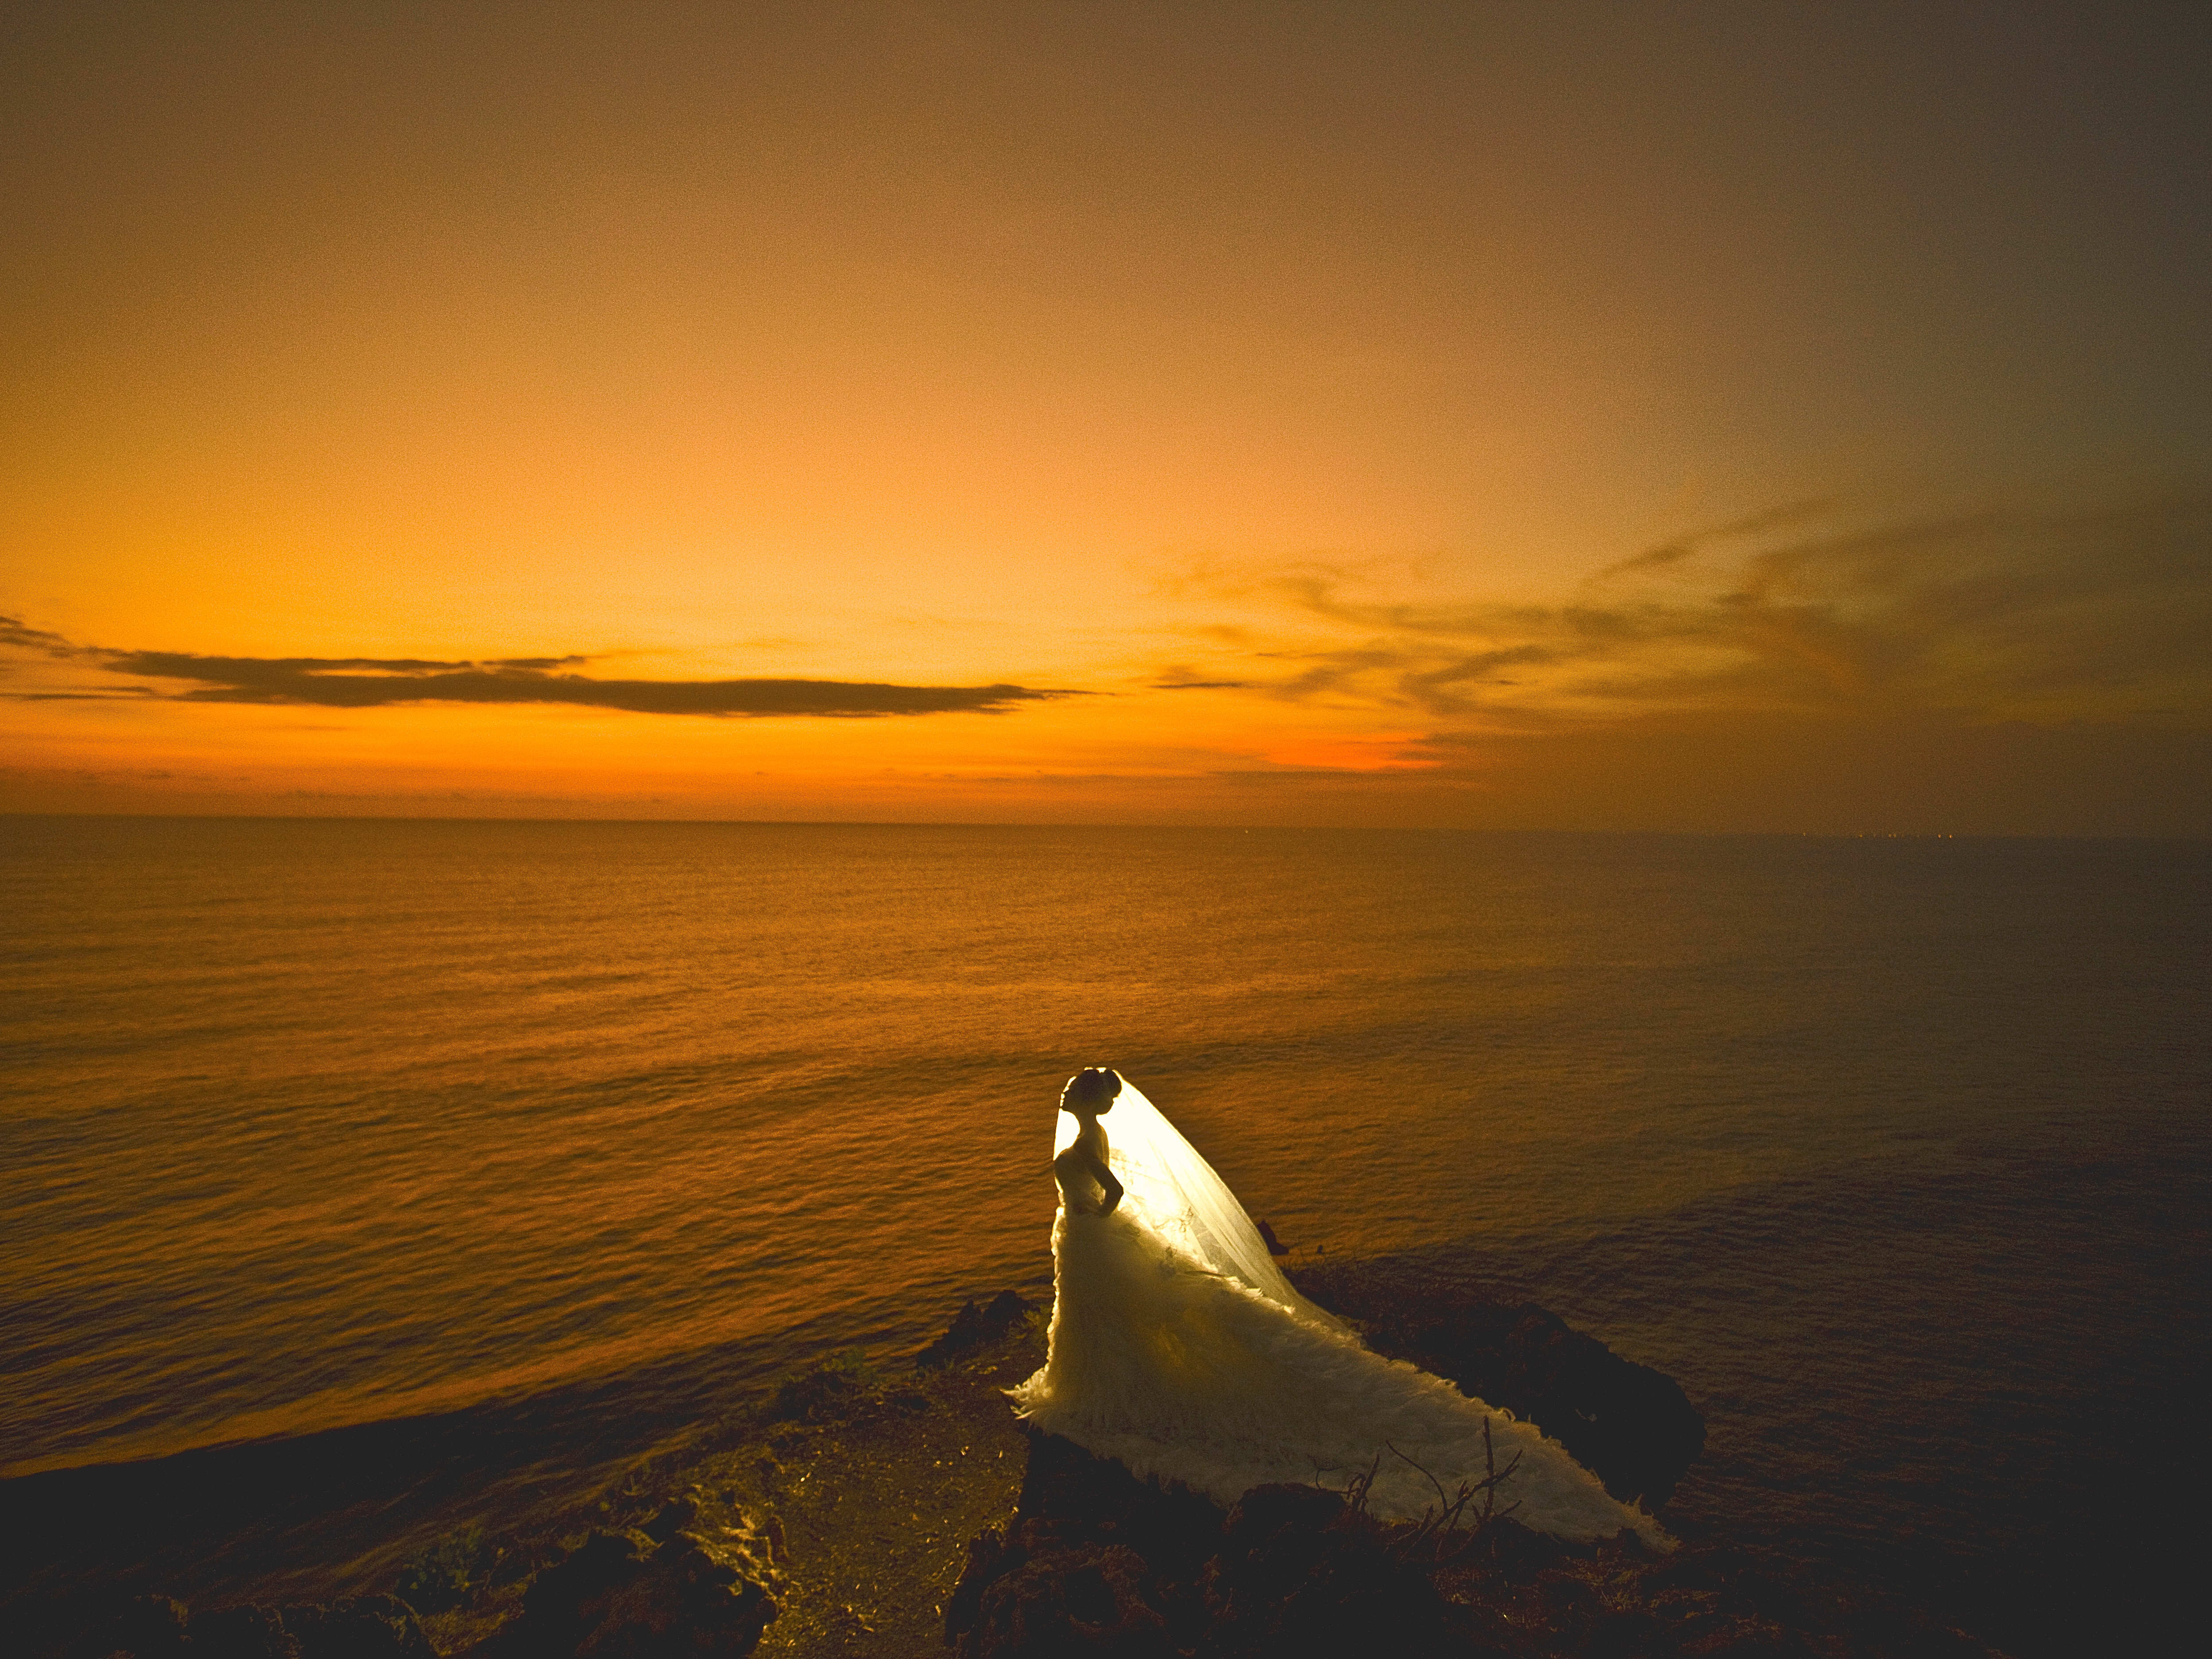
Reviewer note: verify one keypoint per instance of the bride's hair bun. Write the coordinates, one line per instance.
(1094, 1085)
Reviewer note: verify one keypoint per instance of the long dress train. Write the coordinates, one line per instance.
(1177, 1347)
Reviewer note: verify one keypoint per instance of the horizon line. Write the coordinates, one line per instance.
(1247, 829)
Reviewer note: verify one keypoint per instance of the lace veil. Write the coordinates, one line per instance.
(1174, 1193)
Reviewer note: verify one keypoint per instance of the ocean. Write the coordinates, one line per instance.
(1895, 1153)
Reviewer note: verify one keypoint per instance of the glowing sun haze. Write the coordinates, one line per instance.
(1714, 417)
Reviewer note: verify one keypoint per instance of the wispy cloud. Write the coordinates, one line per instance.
(25, 638)
(1989, 616)
(1672, 552)
(383, 682)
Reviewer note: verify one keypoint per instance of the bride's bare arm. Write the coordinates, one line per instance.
(1106, 1178)
(1064, 1170)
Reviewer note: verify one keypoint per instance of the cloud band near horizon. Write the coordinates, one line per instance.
(378, 683)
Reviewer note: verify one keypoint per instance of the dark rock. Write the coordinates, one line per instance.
(1565, 1597)
(1747, 1638)
(1631, 1426)
(693, 1598)
(1068, 1495)
(1626, 1635)
(973, 1327)
(1088, 1600)
(1097, 1561)
(360, 1627)
(990, 1558)
(624, 1595)
(556, 1606)
(1266, 1514)
(1089, 1545)
(1300, 1574)
(248, 1632)
(671, 1518)
(146, 1627)
(1042, 1585)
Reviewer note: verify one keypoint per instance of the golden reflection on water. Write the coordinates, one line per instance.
(316, 1121)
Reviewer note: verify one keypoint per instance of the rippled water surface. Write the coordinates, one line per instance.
(1895, 1153)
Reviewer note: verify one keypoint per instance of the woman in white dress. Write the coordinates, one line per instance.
(1178, 1348)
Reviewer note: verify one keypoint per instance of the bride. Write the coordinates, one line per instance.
(1177, 1347)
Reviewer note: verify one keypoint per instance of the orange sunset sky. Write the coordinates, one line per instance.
(1702, 417)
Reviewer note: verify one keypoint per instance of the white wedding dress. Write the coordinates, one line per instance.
(1178, 1348)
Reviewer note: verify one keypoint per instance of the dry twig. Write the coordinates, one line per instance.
(1442, 1521)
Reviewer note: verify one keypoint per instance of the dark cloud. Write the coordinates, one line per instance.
(13, 632)
(1202, 685)
(87, 694)
(381, 682)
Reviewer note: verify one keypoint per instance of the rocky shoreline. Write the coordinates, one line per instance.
(904, 1512)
